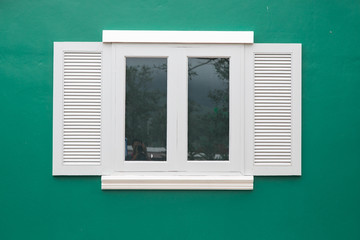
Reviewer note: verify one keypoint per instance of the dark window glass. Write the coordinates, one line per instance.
(208, 109)
(145, 117)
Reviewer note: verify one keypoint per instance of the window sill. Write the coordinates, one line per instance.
(177, 182)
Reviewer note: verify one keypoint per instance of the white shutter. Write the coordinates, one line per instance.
(273, 117)
(77, 115)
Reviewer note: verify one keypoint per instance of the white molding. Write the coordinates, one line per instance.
(235, 182)
(123, 36)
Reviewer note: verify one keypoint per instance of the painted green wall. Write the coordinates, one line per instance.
(322, 204)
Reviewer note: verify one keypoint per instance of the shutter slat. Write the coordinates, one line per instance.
(269, 72)
(82, 108)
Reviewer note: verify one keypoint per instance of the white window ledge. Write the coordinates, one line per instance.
(232, 182)
(123, 36)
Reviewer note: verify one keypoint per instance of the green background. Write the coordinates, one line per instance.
(321, 204)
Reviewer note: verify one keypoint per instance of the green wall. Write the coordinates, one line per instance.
(322, 204)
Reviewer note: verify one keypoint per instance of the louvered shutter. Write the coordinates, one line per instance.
(273, 114)
(77, 112)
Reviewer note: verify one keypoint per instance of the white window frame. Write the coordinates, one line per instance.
(177, 171)
(177, 106)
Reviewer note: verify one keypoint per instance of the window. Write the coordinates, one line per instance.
(177, 110)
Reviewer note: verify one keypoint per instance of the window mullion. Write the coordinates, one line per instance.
(180, 96)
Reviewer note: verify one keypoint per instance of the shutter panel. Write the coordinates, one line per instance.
(77, 104)
(273, 80)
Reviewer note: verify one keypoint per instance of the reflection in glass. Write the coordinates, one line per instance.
(145, 114)
(208, 109)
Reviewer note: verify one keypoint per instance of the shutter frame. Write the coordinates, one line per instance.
(76, 159)
(260, 158)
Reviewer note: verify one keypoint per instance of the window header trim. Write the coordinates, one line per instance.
(125, 36)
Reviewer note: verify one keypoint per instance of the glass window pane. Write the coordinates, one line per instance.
(145, 114)
(208, 109)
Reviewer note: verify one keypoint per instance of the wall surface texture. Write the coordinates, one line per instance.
(322, 204)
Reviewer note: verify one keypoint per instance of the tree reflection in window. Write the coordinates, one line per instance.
(145, 114)
(208, 109)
